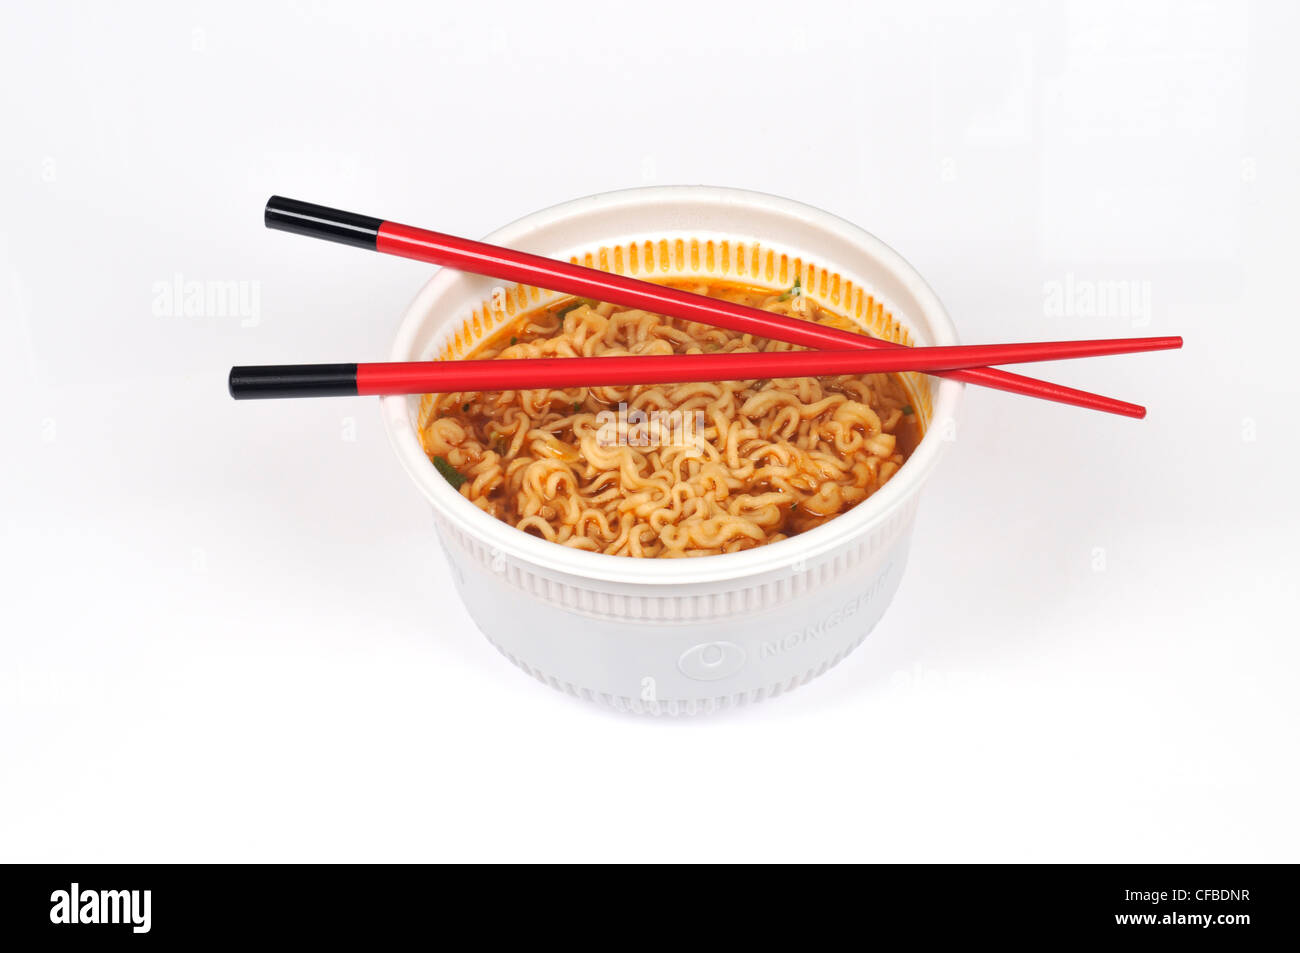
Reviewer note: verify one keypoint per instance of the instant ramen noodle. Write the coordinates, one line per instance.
(668, 470)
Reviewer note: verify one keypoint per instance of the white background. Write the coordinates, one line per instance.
(228, 630)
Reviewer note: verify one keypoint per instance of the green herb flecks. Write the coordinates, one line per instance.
(449, 473)
(581, 302)
(795, 290)
(908, 411)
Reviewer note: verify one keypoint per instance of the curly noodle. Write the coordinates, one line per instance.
(770, 458)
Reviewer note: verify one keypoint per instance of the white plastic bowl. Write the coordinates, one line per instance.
(690, 635)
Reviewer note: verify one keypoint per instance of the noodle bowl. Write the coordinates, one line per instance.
(761, 614)
(668, 470)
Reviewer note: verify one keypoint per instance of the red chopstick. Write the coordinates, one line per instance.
(426, 377)
(406, 241)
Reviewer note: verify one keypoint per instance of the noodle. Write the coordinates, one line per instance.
(668, 470)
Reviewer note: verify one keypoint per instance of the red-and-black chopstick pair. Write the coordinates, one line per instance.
(407, 241)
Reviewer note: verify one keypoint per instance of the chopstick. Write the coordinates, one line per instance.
(471, 376)
(406, 241)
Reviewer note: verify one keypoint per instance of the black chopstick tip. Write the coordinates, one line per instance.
(293, 380)
(320, 221)
(272, 206)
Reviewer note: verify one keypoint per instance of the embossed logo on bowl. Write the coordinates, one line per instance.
(710, 661)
